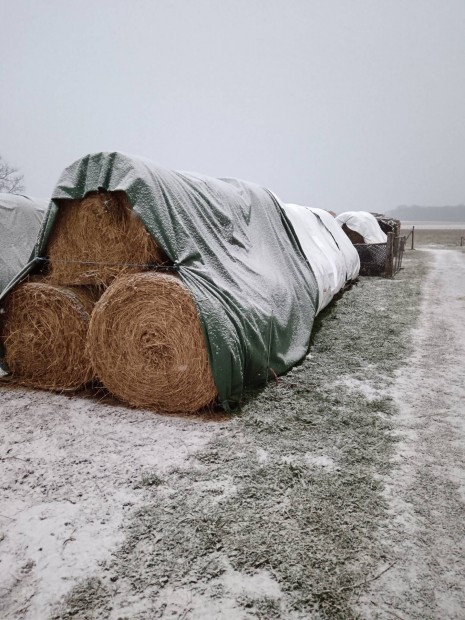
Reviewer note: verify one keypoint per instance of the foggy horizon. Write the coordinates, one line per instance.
(329, 104)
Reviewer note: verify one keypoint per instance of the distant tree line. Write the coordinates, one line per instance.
(11, 182)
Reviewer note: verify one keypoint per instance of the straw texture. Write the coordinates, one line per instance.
(43, 331)
(354, 236)
(147, 346)
(96, 238)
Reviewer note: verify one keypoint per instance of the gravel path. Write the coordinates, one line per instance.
(425, 534)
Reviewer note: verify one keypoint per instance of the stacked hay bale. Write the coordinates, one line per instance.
(97, 238)
(388, 224)
(334, 260)
(361, 227)
(353, 235)
(246, 294)
(145, 342)
(366, 233)
(44, 330)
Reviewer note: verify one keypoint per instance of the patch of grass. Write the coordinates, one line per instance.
(86, 599)
(149, 479)
(264, 608)
(300, 469)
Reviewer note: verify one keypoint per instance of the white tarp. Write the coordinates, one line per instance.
(333, 258)
(364, 224)
(20, 220)
(344, 244)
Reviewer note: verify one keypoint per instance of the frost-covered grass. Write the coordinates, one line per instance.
(287, 497)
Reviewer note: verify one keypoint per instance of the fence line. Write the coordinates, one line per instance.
(411, 234)
(395, 247)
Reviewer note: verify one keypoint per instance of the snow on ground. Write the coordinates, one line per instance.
(426, 491)
(71, 471)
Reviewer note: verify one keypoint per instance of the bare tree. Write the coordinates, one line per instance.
(10, 181)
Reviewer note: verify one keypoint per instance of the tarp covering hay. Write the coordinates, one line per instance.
(146, 344)
(20, 220)
(332, 257)
(96, 238)
(354, 236)
(344, 244)
(364, 224)
(233, 248)
(388, 224)
(43, 332)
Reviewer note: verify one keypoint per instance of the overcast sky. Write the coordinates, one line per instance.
(339, 104)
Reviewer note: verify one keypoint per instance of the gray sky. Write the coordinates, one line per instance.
(339, 104)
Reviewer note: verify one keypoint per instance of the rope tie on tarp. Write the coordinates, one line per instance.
(152, 266)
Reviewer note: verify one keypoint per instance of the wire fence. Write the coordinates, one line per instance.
(412, 235)
(382, 259)
(372, 258)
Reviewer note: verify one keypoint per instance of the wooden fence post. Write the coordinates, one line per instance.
(389, 266)
(413, 238)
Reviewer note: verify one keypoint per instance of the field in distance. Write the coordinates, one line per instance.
(429, 233)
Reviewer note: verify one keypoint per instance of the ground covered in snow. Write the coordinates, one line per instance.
(338, 492)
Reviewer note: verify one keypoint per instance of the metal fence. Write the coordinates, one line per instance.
(372, 258)
(381, 259)
(412, 236)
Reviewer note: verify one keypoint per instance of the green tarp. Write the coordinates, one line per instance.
(232, 246)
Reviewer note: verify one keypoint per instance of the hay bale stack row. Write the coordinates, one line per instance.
(97, 238)
(141, 338)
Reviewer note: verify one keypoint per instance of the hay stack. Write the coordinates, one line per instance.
(354, 236)
(43, 331)
(147, 346)
(96, 238)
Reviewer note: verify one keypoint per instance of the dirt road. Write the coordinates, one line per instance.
(425, 531)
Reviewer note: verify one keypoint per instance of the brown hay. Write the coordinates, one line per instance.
(96, 238)
(44, 331)
(147, 346)
(354, 236)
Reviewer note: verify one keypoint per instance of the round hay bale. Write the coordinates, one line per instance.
(354, 236)
(96, 238)
(147, 347)
(43, 331)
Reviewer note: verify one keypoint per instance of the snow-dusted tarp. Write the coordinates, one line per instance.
(332, 257)
(232, 246)
(20, 220)
(363, 223)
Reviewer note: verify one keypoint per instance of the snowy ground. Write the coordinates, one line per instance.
(70, 472)
(426, 489)
(95, 497)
